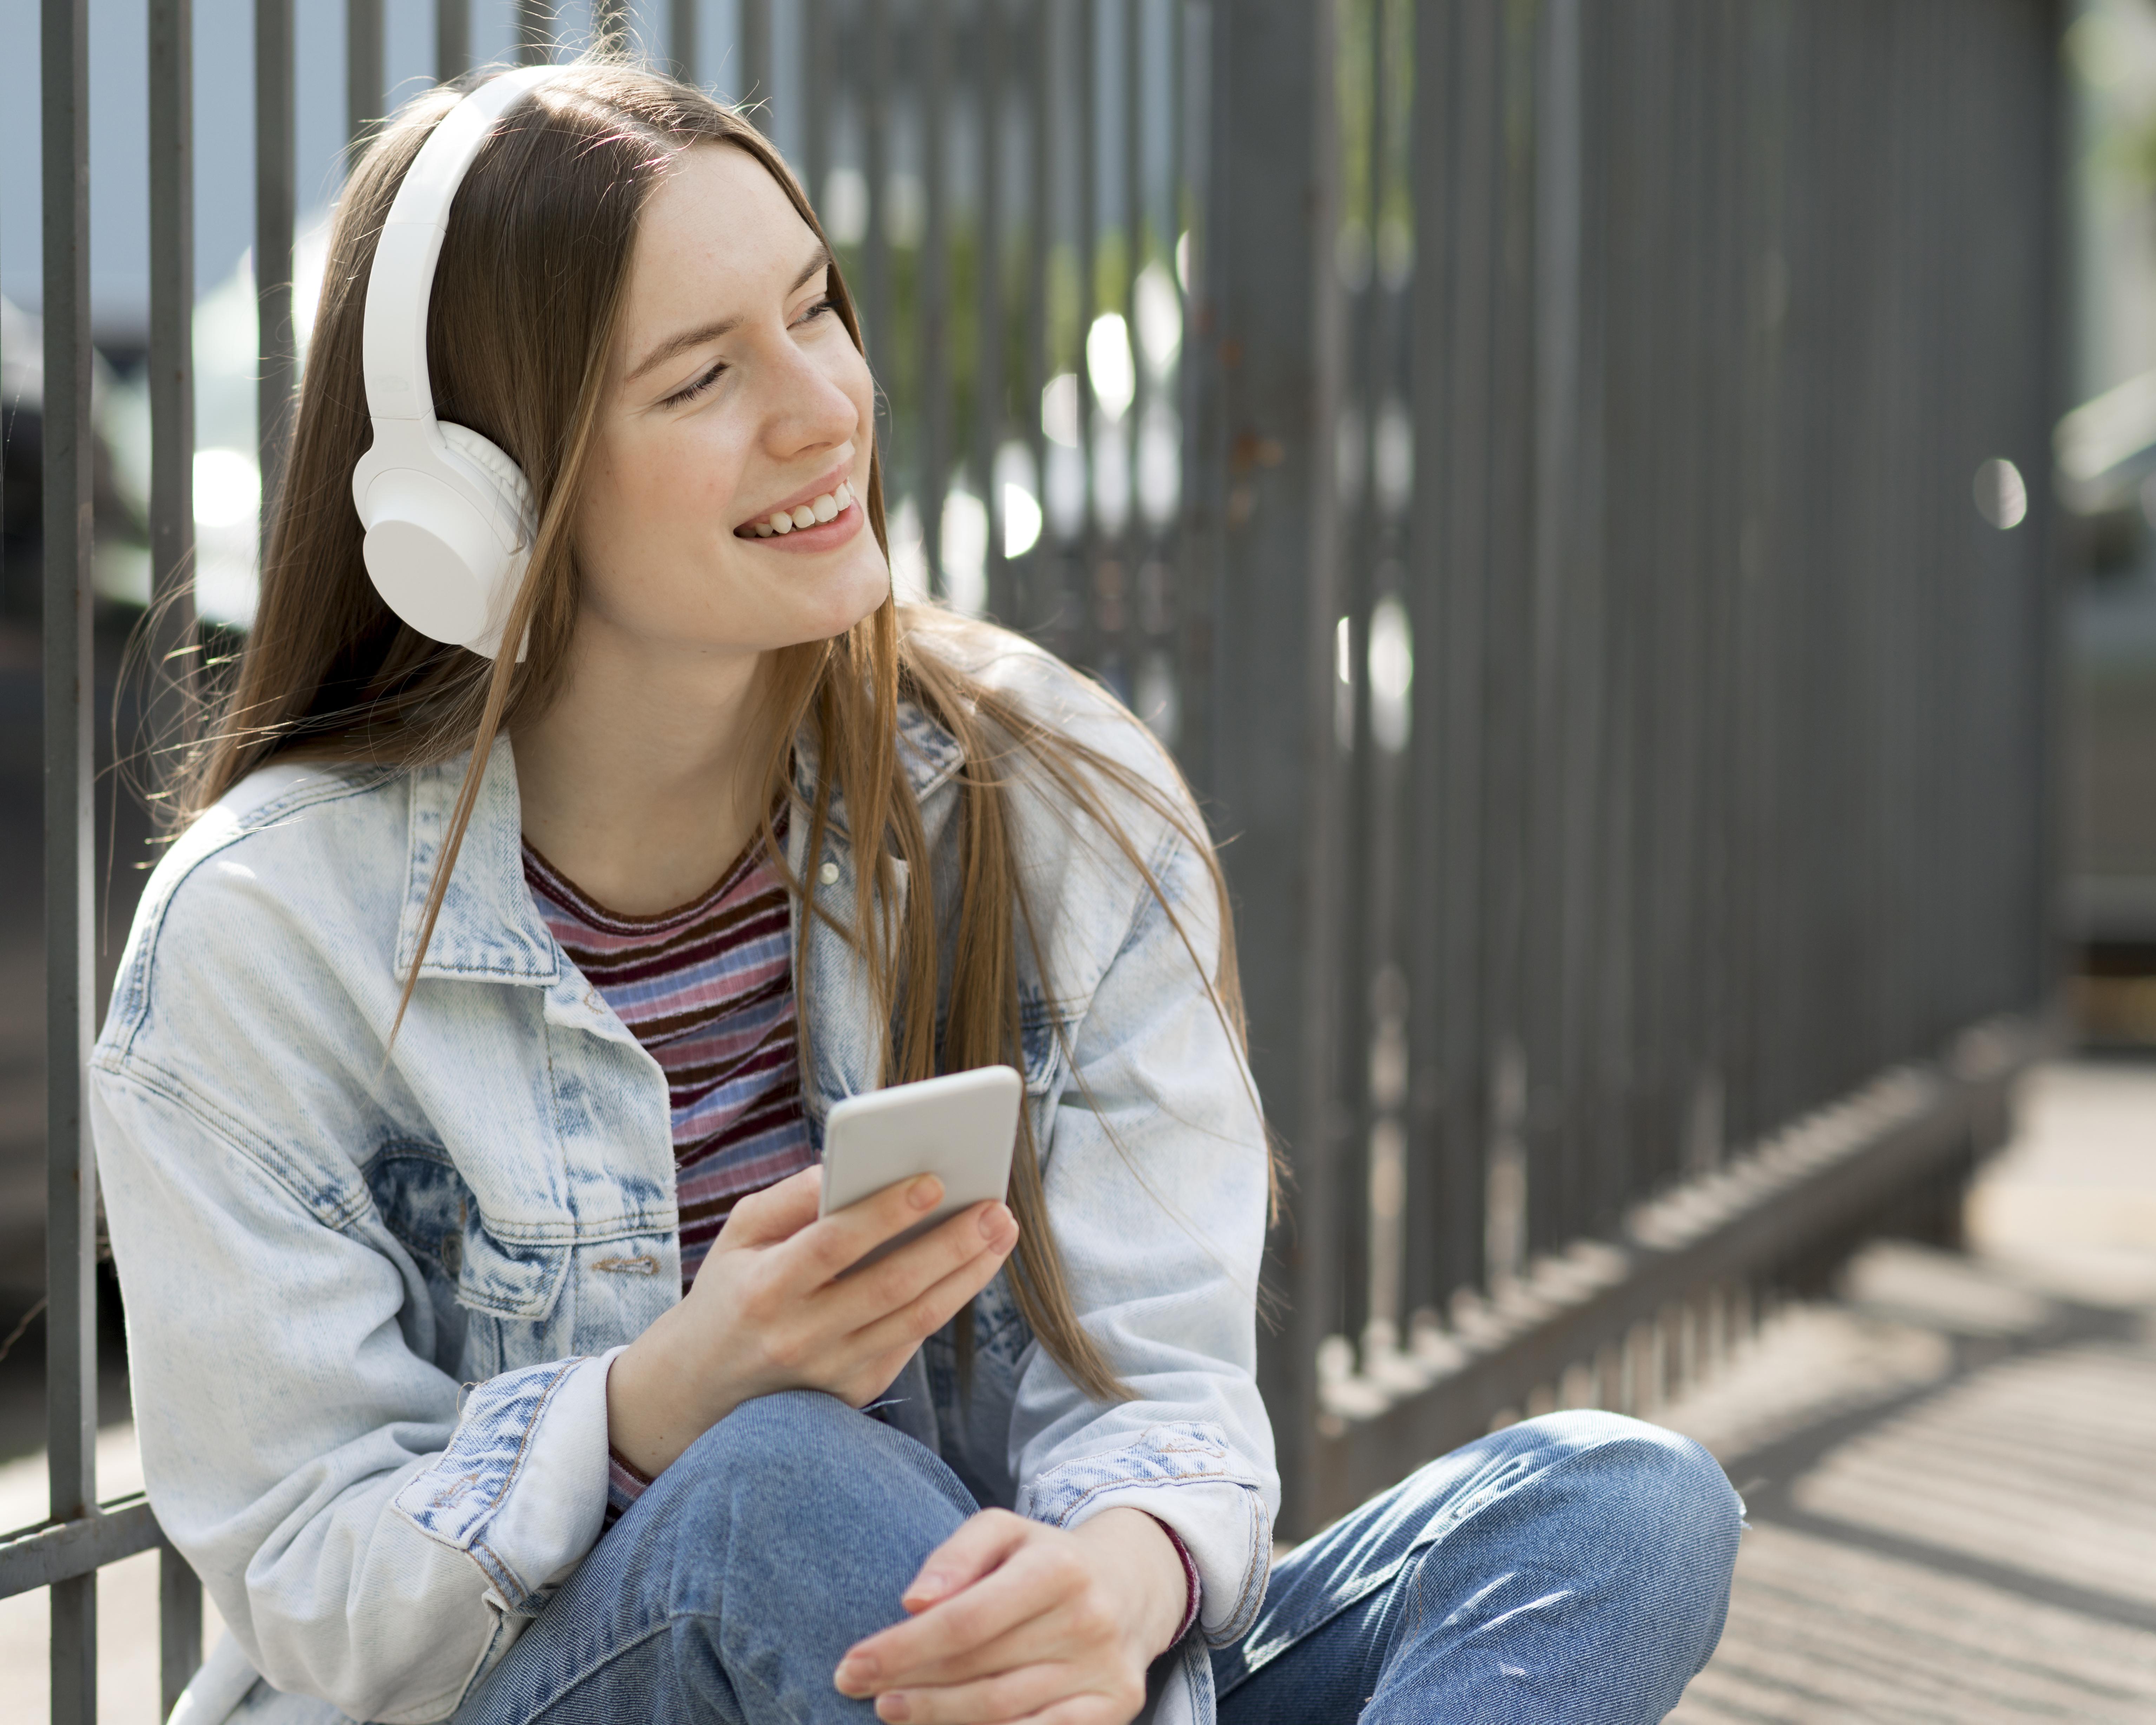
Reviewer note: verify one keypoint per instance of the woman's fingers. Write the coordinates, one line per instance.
(969, 1633)
(778, 1212)
(982, 1542)
(844, 1237)
(900, 1329)
(1019, 1694)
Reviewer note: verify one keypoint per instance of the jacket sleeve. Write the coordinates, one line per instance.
(372, 1535)
(1156, 1177)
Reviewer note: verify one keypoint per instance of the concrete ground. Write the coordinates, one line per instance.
(1952, 1511)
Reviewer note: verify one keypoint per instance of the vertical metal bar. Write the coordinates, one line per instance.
(172, 366)
(682, 39)
(1085, 136)
(1130, 552)
(363, 78)
(179, 1628)
(1034, 606)
(1190, 620)
(933, 330)
(755, 66)
(1266, 522)
(1432, 1104)
(535, 31)
(876, 170)
(816, 94)
(273, 237)
(70, 982)
(170, 718)
(452, 38)
(991, 391)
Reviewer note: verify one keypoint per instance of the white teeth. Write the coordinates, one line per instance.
(833, 504)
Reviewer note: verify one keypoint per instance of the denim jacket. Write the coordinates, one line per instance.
(371, 1297)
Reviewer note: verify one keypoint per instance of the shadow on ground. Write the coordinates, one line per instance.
(1952, 1515)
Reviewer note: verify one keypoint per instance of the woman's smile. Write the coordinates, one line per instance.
(826, 515)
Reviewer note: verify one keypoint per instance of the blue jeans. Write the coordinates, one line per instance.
(1574, 1568)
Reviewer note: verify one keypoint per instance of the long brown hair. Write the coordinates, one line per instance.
(527, 298)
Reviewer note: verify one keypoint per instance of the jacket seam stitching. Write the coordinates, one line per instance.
(136, 981)
(152, 1080)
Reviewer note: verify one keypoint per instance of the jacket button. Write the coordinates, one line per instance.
(828, 874)
(453, 1253)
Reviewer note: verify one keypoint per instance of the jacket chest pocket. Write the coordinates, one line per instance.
(501, 1296)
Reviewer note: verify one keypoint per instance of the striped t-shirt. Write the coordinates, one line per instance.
(708, 989)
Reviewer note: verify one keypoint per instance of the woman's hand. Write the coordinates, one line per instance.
(770, 1311)
(1016, 1619)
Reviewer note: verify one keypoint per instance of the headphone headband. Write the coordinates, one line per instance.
(448, 516)
(401, 282)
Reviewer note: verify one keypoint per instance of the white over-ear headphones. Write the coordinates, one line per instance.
(449, 517)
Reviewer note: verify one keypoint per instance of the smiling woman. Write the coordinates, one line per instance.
(459, 1101)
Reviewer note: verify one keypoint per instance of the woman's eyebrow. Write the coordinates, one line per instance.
(686, 339)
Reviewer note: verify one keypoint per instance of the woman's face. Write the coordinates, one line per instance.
(733, 397)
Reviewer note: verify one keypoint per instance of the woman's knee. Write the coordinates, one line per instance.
(1650, 1469)
(1645, 1491)
(801, 1456)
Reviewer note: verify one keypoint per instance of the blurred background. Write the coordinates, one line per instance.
(2106, 479)
(1640, 522)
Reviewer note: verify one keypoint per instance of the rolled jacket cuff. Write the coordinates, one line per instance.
(521, 1489)
(1187, 1478)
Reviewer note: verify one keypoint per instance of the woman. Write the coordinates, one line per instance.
(459, 1100)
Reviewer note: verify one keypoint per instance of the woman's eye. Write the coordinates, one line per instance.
(818, 310)
(691, 391)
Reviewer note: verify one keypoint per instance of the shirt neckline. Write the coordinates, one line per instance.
(588, 910)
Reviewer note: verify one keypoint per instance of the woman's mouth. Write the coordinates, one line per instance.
(818, 511)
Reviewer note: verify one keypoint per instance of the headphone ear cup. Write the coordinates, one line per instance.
(493, 461)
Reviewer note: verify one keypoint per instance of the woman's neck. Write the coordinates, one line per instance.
(642, 782)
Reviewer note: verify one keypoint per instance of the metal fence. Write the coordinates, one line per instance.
(1568, 480)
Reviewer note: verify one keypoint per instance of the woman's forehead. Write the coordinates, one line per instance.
(716, 221)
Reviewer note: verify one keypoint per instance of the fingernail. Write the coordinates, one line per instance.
(930, 1587)
(854, 1672)
(894, 1706)
(924, 1192)
(995, 1222)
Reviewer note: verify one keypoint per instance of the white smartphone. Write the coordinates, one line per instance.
(960, 1128)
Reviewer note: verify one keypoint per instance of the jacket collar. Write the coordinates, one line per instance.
(488, 929)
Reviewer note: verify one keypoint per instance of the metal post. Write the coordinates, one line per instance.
(876, 170)
(172, 374)
(273, 238)
(816, 106)
(535, 31)
(179, 1628)
(682, 39)
(756, 61)
(990, 383)
(1033, 605)
(452, 38)
(934, 328)
(70, 981)
(1085, 140)
(1265, 523)
(363, 77)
